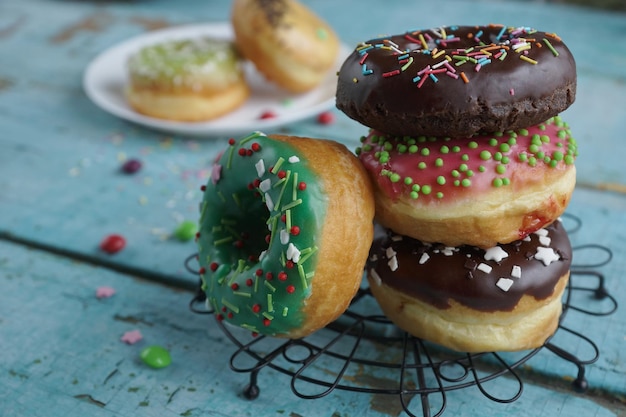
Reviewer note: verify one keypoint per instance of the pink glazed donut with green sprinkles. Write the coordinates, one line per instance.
(286, 225)
(480, 190)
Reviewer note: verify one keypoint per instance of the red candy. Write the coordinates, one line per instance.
(113, 243)
(267, 115)
(326, 118)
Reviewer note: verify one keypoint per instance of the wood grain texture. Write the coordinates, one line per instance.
(61, 190)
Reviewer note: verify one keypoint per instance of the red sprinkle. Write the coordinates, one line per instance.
(220, 317)
(267, 115)
(231, 141)
(267, 322)
(242, 152)
(282, 276)
(258, 272)
(213, 266)
(281, 174)
(326, 118)
(113, 244)
(256, 147)
(256, 308)
(302, 186)
(269, 276)
(235, 286)
(203, 188)
(289, 264)
(249, 282)
(295, 230)
(290, 289)
(202, 270)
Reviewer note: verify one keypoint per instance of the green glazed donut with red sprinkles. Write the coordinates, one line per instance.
(286, 224)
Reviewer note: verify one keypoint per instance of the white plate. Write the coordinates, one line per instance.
(106, 77)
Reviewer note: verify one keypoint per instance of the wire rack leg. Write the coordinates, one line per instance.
(252, 390)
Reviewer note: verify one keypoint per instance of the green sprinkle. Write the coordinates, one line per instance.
(463, 167)
(550, 47)
(557, 155)
(186, 230)
(501, 169)
(444, 149)
(493, 142)
(472, 145)
(408, 180)
(414, 195)
(465, 157)
(569, 159)
(505, 147)
(439, 195)
(455, 173)
(485, 155)
(498, 156)
(413, 149)
(497, 182)
(421, 165)
(456, 149)
(506, 181)
(522, 157)
(230, 306)
(481, 168)
(532, 161)
(156, 356)
(394, 177)
(438, 162)
(441, 180)
(402, 148)
(533, 148)
(425, 151)
(523, 132)
(416, 188)
(426, 189)
(466, 182)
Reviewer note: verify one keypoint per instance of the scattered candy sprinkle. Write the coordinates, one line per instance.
(156, 357)
(131, 337)
(186, 230)
(131, 166)
(326, 118)
(104, 292)
(267, 115)
(113, 243)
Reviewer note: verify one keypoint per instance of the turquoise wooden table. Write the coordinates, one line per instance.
(67, 346)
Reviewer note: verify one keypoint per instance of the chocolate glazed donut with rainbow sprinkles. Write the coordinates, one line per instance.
(285, 229)
(457, 80)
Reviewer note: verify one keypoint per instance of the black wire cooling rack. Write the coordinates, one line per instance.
(363, 343)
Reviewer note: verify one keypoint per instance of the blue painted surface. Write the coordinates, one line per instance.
(61, 190)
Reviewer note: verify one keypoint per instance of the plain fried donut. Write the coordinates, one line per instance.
(187, 80)
(477, 191)
(457, 80)
(505, 298)
(287, 43)
(285, 229)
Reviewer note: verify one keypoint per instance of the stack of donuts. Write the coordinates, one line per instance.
(472, 167)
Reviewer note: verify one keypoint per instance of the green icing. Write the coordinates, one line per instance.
(249, 282)
(184, 63)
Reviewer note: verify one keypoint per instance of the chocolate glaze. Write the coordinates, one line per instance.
(455, 273)
(507, 93)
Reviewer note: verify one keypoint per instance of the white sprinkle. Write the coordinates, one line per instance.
(293, 159)
(265, 185)
(374, 257)
(541, 232)
(526, 239)
(260, 167)
(504, 284)
(424, 258)
(448, 250)
(484, 268)
(268, 202)
(375, 276)
(545, 240)
(262, 255)
(284, 236)
(390, 252)
(516, 272)
(546, 255)
(396, 238)
(293, 253)
(393, 263)
(495, 254)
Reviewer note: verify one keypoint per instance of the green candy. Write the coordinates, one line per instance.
(186, 230)
(156, 357)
